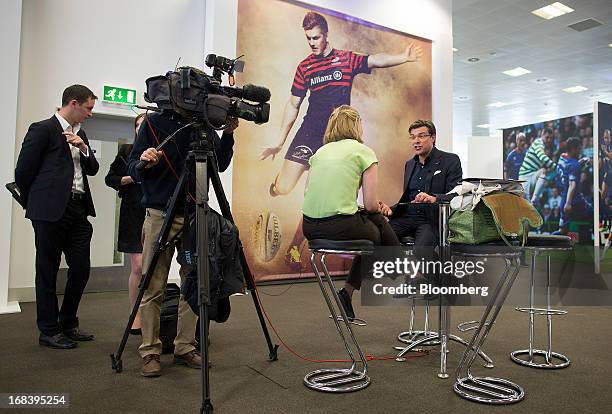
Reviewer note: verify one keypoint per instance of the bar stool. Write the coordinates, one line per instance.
(488, 390)
(412, 335)
(542, 245)
(337, 380)
(414, 338)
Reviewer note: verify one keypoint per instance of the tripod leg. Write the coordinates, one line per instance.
(203, 271)
(161, 245)
(207, 406)
(248, 276)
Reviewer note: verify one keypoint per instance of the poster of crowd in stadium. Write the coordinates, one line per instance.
(555, 159)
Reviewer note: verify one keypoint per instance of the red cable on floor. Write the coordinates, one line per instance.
(368, 357)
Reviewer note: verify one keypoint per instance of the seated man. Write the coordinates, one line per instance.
(428, 176)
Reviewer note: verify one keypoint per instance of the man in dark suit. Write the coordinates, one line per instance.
(428, 176)
(51, 173)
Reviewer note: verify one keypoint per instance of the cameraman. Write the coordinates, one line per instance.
(158, 181)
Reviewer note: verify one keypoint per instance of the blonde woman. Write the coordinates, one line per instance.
(337, 170)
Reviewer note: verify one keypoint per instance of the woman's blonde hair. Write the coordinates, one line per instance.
(344, 123)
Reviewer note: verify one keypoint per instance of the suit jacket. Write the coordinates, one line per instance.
(443, 174)
(45, 171)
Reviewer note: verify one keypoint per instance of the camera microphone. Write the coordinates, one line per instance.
(255, 93)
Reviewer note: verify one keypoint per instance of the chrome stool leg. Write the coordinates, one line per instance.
(432, 338)
(337, 380)
(411, 335)
(488, 362)
(339, 318)
(526, 357)
(488, 390)
(444, 332)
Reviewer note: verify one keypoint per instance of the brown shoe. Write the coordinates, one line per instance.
(151, 366)
(192, 359)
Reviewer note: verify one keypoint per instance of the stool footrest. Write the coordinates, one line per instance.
(336, 380)
(548, 359)
(489, 390)
(541, 311)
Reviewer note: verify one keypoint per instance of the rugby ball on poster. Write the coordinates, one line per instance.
(266, 235)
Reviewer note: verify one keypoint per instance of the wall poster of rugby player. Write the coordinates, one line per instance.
(313, 61)
(555, 159)
(603, 117)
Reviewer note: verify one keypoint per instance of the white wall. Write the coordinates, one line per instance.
(460, 147)
(484, 157)
(10, 33)
(94, 43)
(220, 39)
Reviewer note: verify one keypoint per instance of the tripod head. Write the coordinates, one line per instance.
(201, 139)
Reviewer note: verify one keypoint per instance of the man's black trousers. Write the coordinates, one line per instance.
(424, 233)
(70, 235)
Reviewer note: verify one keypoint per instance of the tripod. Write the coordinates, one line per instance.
(199, 162)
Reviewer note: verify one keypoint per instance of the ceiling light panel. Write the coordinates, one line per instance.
(575, 89)
(552, 10)
(518, 71)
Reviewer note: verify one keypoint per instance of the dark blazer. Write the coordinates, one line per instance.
(444, 173)
(45, 171)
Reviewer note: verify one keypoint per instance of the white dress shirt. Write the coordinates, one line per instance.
(78, 185)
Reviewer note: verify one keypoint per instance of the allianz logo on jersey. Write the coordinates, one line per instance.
(337, 75)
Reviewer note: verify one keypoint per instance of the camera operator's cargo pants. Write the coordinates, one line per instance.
(151, 302)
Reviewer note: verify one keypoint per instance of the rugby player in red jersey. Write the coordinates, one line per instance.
(328, 74)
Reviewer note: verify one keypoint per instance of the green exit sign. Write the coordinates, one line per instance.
(119, 95)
